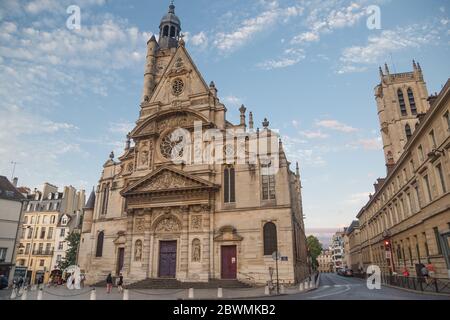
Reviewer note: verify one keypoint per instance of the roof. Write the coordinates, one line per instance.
(8, 191)
(353, 225)
(170, 17)
(91, 201)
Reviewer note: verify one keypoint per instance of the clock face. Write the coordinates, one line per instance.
(172, 146)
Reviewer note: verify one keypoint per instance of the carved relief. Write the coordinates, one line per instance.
(168, 224)
(138, 250)
(130, 167)
(139, 224)
(168, 180)
(196, 222)
(196, 250)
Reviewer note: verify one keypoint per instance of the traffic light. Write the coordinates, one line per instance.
(387, 245)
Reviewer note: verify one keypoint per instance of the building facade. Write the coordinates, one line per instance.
(11, 205)
(337, 250)
(166, 210)
(325, 261)
(46, 217)
(406, 221)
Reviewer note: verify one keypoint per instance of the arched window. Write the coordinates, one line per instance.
(408, 131)
(172, 32)
(166, 31)
(401, 101)
(229, 185)
(52, 219)
(412, 102)
(270, 238)
(105, 198)
(100, 237)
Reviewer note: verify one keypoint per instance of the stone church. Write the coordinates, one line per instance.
(203, 205)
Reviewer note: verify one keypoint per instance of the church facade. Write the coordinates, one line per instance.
(193, 197)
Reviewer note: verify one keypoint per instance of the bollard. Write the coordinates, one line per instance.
(93, 295)
(306, 285)
(126, 294)
(282, 289)
(24, 295)
(267, 291)
(191, 293)
(13, 294)
(39, 295)
(219, 293)
(301, 287)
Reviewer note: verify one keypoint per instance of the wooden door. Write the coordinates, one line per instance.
(167, 259)
(229, 262)
(120, 260)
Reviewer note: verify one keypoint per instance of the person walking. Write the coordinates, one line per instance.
(109, 283)
(425, 274)
(120, 283)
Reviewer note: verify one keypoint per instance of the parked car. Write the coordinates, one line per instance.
(348, 273)
(340, 271)
(3, 282)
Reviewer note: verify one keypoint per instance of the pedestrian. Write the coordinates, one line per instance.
(120, 283)
(431, 271)
(405, 272)
(425, 274)
(109, 283)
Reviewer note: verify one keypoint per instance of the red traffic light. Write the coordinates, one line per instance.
(386, 243)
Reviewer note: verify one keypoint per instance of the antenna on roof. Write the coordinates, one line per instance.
(14, 169)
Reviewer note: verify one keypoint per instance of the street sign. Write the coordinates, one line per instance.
(388, 254)
(276, 255)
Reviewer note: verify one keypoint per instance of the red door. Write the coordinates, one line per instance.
(229, 262)
(167, 259)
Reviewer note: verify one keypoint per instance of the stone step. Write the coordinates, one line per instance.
(175, 284)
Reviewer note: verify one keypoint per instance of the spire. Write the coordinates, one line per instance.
(127, 145)
(111, 155)
(381, 71)
(265, 123)
(297, 169)
(386, 68)
(91, 201)
(169, 29)
(242, 110)
(414, 64)
(250, 120)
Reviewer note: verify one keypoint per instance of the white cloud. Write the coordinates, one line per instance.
(200, 40)
(367, 144)
(233, 100)
(305, 37)
(289, 58)
(123, 127)
(335, 125)
(231, 40)
(313, 134)
(356, 58)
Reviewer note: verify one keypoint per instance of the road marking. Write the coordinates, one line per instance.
(332, 294)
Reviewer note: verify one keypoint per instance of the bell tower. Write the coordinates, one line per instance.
(401, 98)
(169, 29)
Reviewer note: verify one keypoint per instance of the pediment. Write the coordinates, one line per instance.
(167, 179)
(182, 67)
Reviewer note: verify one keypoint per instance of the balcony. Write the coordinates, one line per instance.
(43, 252)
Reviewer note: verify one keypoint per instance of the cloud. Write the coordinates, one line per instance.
(123, 127)
(313, 134)
(199, 40)
(367, 144)
(229, 41)
(335, 125)
(356, 58)
(358, 199)
(289, 58)
(305, 37)
(233, 100)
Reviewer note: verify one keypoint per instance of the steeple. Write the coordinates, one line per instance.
(169, 29)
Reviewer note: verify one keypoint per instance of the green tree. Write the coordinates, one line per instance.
(70, 259)
(314, 249)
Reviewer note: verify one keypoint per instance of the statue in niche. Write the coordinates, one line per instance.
(138, 250)
(196, 250)
(144, 158)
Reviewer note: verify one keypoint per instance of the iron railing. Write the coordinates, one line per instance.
(438, 285)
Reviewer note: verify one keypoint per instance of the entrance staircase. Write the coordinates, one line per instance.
(175, 284)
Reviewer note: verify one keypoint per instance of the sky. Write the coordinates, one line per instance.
(69, 96)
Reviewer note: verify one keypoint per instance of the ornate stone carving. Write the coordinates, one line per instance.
(196, 250)
(130, 167)
(168, 180)
(140, 224)
(138, 250)
(168, 224)
(144, 158)
(196, 222)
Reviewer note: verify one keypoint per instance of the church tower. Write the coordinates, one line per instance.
(401, 99)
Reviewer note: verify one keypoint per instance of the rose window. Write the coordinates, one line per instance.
(172, 146)
(177, 86)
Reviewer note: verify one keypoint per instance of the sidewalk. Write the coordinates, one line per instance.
(62, 293)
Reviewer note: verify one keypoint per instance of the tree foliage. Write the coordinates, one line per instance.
(314, 249)
(70, 259)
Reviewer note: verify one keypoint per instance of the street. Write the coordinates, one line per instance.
(335, 287)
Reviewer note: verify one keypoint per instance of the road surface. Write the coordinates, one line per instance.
(335, 287)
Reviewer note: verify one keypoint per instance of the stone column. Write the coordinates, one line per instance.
(146, 245)
(184, 243)
(128, 245)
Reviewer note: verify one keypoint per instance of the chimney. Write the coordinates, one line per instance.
(14, 182)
